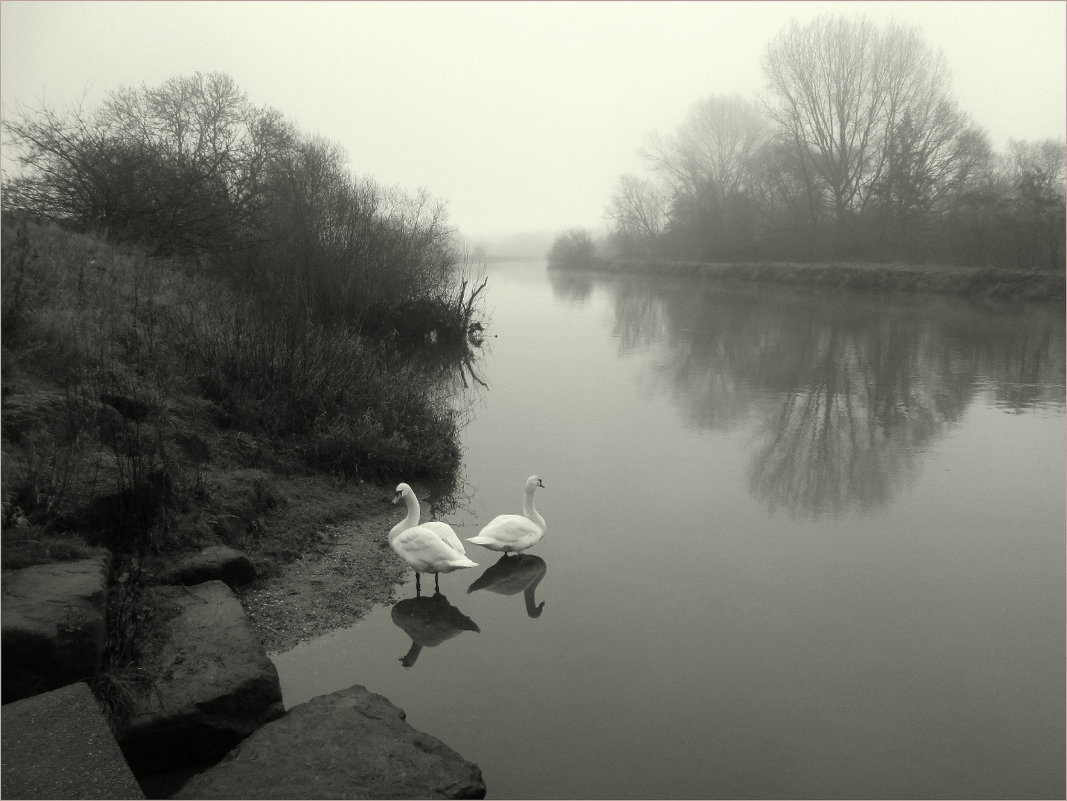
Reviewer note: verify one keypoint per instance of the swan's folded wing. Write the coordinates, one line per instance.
(422, 543)
(447, 535)
(508, 530)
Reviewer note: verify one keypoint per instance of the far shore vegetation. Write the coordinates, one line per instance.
(576, 250)
(857, 155)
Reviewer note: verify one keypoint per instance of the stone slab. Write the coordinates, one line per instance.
(349, 744)
(209, 681)
(58, 745)
(54, 623)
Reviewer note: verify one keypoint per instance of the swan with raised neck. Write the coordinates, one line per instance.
(515, 533)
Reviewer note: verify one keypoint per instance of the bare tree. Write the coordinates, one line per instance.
(1037, 180)
(791, 205)
(859, 150)
(340, 245)
(868, 113)
(713, 149)
(180, 166)
(709, 165)
(827, 79)
(638, 214)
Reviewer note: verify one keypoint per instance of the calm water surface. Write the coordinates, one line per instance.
(799, 546)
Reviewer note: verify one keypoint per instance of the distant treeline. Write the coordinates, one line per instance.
(193, 168)
(858, 152)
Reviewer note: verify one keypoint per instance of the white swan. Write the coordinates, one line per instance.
(430, 547)
(447, 534)
(514, 533)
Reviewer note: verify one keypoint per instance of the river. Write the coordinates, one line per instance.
(800, 545)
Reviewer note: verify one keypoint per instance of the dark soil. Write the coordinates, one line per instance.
(341, 576)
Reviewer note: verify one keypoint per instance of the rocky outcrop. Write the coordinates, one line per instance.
(214, 562)
(58, 745)
(209, 683)
(350, 744)
(205, 684)
(54, 624)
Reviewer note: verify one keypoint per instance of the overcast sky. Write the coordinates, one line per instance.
(521, 115)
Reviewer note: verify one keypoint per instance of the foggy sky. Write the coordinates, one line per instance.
(522, 115)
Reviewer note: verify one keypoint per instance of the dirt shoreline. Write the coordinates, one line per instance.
(346, 573)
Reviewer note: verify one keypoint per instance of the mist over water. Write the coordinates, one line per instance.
(800, 545)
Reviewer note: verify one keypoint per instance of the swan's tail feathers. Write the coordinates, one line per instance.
(480, 540)
(463, 561)
(460, 622)
(483, 580)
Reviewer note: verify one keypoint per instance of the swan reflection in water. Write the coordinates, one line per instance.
(428, 622)
(514, 574)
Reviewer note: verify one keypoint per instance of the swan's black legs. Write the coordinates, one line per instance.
(418, 583)
(436, 586)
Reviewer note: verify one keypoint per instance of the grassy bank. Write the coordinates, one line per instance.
(969, 281)
(148, 407)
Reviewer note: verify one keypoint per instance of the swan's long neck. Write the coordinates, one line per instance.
(529, 510)
(533, 609)
(412, 518)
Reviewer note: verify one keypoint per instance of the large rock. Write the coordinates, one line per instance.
(53, 623)
(350, 744)
(214, 562)
(210, 683)
(58, 745)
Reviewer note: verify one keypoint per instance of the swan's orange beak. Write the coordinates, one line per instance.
(397, 497)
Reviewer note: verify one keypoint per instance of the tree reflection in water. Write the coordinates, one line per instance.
(848, 388)
(573, 287)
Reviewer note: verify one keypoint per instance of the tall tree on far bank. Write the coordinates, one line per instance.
(1038, 194)
(709, 165)
(637, 214)
(869, 118)
(825, 78)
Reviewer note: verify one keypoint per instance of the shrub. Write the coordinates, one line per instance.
(573, 250)
(126, 379)
(193, 168)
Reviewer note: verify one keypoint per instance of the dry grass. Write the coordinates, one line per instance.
(137, 393)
